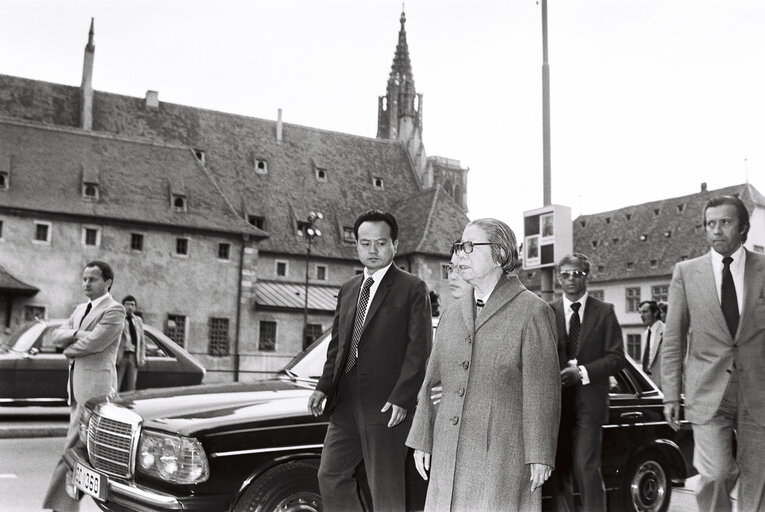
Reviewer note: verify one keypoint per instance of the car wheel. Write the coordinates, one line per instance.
(646, 486)
(290, 487)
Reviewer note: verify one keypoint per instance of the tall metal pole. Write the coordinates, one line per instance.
(305, 303)
(547, 273)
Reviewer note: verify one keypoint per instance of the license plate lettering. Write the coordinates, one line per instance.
(90, 482)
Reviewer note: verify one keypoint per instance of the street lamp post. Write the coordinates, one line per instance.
(311, 232)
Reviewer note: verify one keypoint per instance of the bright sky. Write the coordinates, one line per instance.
(649, 97)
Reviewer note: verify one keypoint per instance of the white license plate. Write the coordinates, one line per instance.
(91, 482)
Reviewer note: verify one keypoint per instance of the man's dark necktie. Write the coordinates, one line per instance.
(574, 326)
(133, 335)
(358, 323)
(647, 354)
(87, 310)
(729, 302)
(479, 304)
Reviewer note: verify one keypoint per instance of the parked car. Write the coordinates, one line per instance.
(254, 446)
(34, 372)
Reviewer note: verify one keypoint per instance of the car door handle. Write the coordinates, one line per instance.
(632, 415)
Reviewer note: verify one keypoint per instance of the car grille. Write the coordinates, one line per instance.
(112, 440)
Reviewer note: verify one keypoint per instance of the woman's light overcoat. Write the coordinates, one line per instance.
(500, 406)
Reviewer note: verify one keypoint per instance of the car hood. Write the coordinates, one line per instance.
(209, 407)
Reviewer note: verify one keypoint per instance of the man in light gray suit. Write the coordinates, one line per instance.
(89, 338)
(720, 297)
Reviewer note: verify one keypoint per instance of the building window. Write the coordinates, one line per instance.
(182, 246)
(660, 293)
(261, 166)
(179, 203)
(378, 183)
(628, 215)
(643, 237)
(321, 175)
(218, 337)
(267, 341)
(90, 191)
(656, 211)
(3, 180)
(348, 235)
(680, 208)
(201, 155)
(598, 294)
(445, 270)
(312, 331)
(258, 222)
(633, 299)
(582, 223)
(281, 268)
(175, 329)
(594, 243)
(654, 263)
(321, 272)
(91, 237)
(34, 313)
(136, 242)
(615, 240)
(601, 268)
(630, 265)
(224, 251)
(42, 232)
(608, 220)
(1, 230)
(633, 346)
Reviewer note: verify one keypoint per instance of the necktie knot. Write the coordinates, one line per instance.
(479, 303)
(575, 306)
(727, 261)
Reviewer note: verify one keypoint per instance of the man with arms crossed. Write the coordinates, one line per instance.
(590, 350)
(90, 338)
(381, 338)
(720, 297)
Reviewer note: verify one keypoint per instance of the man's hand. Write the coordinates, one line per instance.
(569, 376)
(672, 414)
(422, 462)
(539, 474)
(397, 416)
(315, 402)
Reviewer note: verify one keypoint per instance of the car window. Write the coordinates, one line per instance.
(154, 348)
(309, 364)
(45, 343)
(25, 336)
(619, 385)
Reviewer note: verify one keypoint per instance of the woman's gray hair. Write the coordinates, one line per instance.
(504, 248)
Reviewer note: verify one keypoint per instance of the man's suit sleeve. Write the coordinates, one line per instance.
(108, 330)
(328, 374)
(420, 338)
(141, 343)
(613, 358)
(63, 335)
(675, 337)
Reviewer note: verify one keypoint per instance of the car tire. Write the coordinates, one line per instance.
(289, 487)
(647, 486)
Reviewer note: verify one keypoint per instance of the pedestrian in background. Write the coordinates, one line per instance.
(663, 312)
(90, 339)
(490, 443)
(381, 338)
(720, 296)
(132, 351)
(650, 340)
(590, 350)
(458, 287)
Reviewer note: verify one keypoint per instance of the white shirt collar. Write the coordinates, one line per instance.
(378, 274)
(739, 259)
(99, 300)
(582, 300)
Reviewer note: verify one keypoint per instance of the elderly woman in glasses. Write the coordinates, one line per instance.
(490, 444)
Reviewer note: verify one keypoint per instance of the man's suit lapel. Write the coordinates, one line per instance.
(95, 312)
(754, 288)
(348, 309)
(655, 344)
(708, 290)
(592, 311)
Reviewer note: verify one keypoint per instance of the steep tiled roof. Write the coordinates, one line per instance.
(429, 222)
(289, 295)
(9, 284)
(232, 144)
(648, 239)
(135, 178)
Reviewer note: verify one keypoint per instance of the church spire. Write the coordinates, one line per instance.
(86, 87)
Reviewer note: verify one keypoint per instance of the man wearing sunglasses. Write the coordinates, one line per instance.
(590, 349)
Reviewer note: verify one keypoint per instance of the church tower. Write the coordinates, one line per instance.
(86, 87)
(399, 112)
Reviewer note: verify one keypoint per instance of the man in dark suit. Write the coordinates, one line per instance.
(650, 340)
(381, 338)
(90, 339)
(720, 297)
(590, 350)
(132, 351)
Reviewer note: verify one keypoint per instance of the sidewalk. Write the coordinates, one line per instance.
(16, 422)
(684, 498)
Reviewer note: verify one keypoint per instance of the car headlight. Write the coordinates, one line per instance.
(175, 459)
(85, 425)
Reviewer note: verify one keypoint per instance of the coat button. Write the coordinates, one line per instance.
(461, 392)
(469, 339)
(728, 371)
(466, 364)
(455, 420)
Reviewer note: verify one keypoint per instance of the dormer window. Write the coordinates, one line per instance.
(3, 180)
(348, 236)
(656, 211)
(377, 183)
(608, 220)
(680, 208)
(90, 191)
(261, 166)
(643, 237)
(321, 174)
(629, 216)
(179, 203)
(200, 154)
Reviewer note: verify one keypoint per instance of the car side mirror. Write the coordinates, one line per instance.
(33, 351)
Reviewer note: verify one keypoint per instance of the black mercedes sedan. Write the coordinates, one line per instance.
(254, 446)
(34, 372)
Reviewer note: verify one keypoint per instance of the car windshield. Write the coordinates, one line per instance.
(24, 337)
(309, 364)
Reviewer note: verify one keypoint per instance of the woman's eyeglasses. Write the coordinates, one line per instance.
(467, 247)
